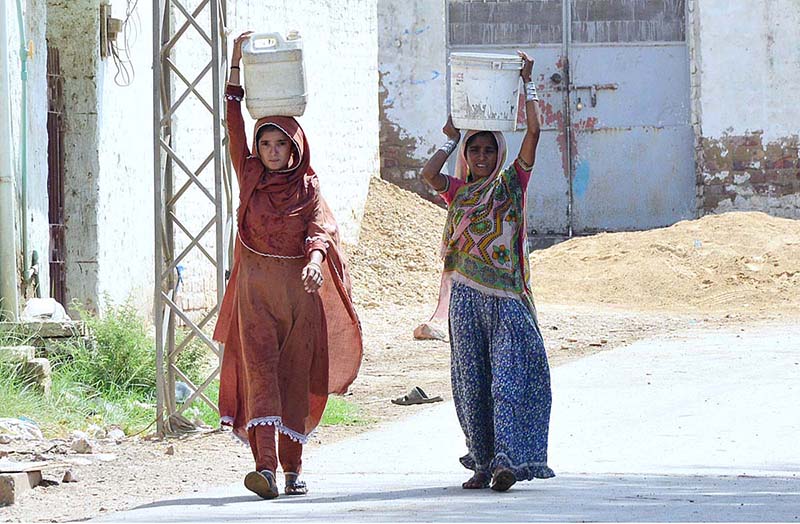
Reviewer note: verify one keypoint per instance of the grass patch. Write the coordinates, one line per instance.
(108, 382)
(71, 404)
(340, 412)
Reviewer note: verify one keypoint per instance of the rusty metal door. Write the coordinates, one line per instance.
(55, 175)
(616, 150)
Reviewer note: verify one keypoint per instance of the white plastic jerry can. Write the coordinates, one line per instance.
(274, 76)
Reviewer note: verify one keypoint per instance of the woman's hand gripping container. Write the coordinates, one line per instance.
(274, 76)
(484, 91)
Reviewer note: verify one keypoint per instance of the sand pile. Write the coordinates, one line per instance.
(397, 258)
(734, 262)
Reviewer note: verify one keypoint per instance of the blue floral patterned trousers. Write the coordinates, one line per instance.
(501, 383)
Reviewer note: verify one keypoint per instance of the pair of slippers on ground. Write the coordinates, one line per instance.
(263, 484)
(415, 396)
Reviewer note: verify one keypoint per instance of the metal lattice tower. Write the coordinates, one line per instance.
(191, 174)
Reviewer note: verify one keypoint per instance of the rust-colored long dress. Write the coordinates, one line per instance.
(285, 349)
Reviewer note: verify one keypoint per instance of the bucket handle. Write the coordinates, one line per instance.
(261, 42)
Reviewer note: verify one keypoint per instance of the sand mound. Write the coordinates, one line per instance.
(397, 258)
(733, 262)
(730, 262)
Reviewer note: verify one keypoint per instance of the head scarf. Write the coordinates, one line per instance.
(463, 174)
(288, 188)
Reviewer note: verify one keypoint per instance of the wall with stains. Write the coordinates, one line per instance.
(33, 18)
(108, 173)
(73, 27)
(413, 88)
(473, 22)
(747, 61)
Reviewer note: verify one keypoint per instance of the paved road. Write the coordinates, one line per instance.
(698, 427)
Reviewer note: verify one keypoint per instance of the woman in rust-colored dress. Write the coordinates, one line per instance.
(290, 331)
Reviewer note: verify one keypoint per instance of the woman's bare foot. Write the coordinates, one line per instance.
(503, 479)
(479, 480)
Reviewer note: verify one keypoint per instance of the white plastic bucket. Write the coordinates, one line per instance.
(484, 91)
(274, 76)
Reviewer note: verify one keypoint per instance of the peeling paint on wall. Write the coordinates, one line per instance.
(745, 173)
(399, 164)
(744, 110)
(412, 89)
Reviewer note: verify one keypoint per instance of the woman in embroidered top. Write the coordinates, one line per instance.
(499, 369)
(291, 334)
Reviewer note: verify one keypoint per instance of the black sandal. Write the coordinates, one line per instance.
(294, 486)
(480, 480)
(262, 483)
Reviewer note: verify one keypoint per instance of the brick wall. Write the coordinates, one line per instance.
(517, 22)
(745, 172)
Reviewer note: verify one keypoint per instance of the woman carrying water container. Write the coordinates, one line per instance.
(499, 370)
(291, 334)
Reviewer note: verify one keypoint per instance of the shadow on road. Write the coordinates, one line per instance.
(565, 498)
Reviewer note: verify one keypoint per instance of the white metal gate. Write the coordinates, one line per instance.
(617, 147)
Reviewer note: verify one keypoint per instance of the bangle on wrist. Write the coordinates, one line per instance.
(234, 67)
(530, 92)
(449, 146)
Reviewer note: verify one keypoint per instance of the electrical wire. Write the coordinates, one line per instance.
(121, 54)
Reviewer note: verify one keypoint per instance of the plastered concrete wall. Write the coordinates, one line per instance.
(413, 88)
(33, 12)
(125, 157)
(747, 76)
(340, 49)
(73, 27)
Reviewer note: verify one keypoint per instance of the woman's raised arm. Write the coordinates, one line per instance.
(233, 108)
(432, 172)
(527, 152)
